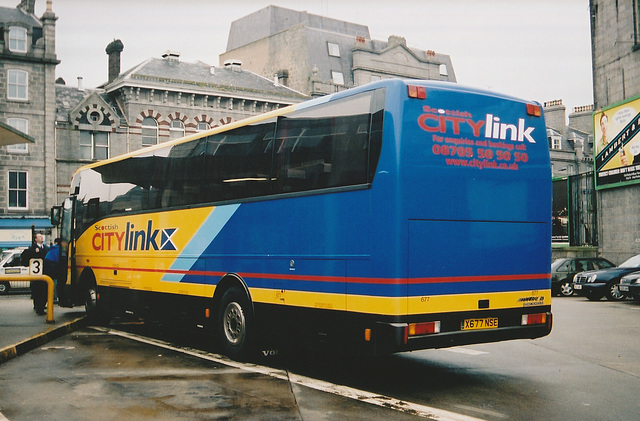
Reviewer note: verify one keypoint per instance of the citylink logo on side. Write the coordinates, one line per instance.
(110, 238)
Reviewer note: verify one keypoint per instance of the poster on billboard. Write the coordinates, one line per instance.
(617, 144)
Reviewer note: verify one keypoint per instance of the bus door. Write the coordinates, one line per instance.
(64, 217)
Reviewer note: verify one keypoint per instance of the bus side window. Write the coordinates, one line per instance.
(93, 208)
(238, 163)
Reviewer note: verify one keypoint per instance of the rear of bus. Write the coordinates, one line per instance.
(473, 187)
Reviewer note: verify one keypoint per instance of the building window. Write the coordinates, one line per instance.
(18, 84)
(149, 131)
(334, 49)
(556, 143)
(337, 78)
(443, 70)
(21, 124)
(94, 145)
(176, 129)
(95, 117)
(17, 190)
(202, 126)
(17, 39)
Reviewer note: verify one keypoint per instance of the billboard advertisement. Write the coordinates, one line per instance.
(617, 144)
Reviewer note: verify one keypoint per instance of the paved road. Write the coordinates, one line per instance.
(587, 369)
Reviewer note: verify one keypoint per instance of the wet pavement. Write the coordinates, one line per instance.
(22, 330)
(102, 373)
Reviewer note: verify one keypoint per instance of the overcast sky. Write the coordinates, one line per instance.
(538, 50)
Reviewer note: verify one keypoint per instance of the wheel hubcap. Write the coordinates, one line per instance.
(234, 323)
(615, 293)
(566, 289)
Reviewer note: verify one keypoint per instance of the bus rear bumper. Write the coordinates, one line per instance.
(392, 337)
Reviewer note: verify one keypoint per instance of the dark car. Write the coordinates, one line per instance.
(604, 282)
(630, 285)
(563, 270)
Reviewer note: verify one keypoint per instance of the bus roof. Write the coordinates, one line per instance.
(439, 85)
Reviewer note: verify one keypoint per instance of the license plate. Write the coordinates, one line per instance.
(474, 324)
(624, 288)
(577, 286)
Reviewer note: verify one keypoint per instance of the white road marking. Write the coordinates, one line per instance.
(3, 418)
(344, 391)
(466, 351)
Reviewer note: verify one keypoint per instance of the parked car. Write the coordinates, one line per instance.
(10, 265)
(596, 284)
(630, 285)
(563, 270)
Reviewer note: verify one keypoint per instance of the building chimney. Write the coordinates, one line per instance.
(113, 51)
(171, 56)
(233, 64)
(80, 87)
(28, 6)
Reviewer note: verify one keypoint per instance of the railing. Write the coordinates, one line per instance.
(37, 278)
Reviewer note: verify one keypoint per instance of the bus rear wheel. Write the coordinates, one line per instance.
(235, 324)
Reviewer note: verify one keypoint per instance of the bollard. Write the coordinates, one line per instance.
(41, 278)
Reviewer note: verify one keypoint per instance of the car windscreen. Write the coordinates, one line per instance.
(633, 262)
(556, 264)
(603, 264)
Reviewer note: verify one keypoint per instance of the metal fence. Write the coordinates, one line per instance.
(582, 210)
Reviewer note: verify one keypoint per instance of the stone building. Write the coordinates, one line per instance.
(157, 100)
(615, 36)
(27, 103)
(317, 55)
(570, 145)
(574, 205)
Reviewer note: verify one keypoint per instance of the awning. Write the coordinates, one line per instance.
(16, 231)
(19, 222)
(11, 136)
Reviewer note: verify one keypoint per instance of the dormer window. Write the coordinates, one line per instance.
(337, 77)
(17, 39)
(334, 49)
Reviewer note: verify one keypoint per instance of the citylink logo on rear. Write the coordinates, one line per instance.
(437, 120)
(110, 238)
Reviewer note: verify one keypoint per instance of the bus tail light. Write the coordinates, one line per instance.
(534, 319)
(534, 110)
(421, 329)
(419, 92)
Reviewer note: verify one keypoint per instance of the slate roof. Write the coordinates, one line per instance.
(201, 78)
(16, 15)
(68, 98)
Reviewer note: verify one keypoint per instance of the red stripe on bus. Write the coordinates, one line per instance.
(354, 280)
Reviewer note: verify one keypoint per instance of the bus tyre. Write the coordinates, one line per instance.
(92, 306)
(235, 324)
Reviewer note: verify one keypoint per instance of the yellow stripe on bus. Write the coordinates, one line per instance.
(390, 306)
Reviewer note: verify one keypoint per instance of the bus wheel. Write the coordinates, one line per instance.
(92, 307)
(235, 324)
